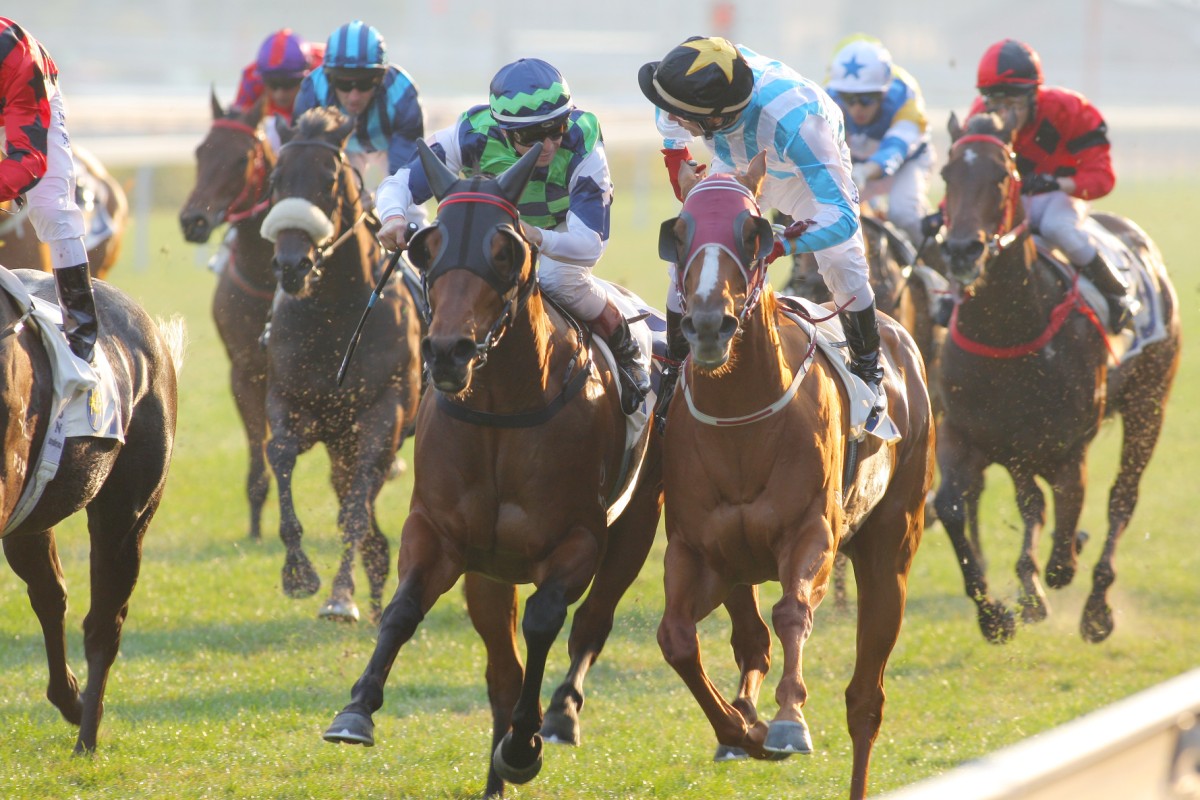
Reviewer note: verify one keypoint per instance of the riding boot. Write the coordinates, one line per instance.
(80, 323)
(677, 351)
(862, 336)
(1113, 286)
(635, 380)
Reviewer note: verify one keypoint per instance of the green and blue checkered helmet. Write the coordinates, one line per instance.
(356, 45)
(528, 92)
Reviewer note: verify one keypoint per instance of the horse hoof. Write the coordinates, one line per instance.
(1097, 622)
(1034, 609)
(786, 737)
(339, 611)
(398, 467)
(727, 753)
(997, 623)
(300, 580)
(517, 774)
(351, 727)
(559, 727)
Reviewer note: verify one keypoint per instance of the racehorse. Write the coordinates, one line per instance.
(1026, 382)
(105, 214)
(757, 487)
(325, 261)
(232, 165)
(120, 484)
(518, 447)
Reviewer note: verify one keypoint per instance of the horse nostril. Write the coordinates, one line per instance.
(463, 350)
(687, 326)
(426, 350)
(975, 250)
(729, 325)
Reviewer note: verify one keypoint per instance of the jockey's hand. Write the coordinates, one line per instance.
(393, 234)
(864, 172)
(785, 244)
(1040, 183)
(931, 224)
(682, 170)
(532, 233)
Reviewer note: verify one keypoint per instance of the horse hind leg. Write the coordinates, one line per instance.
(34, 558)
(492, 607)
(1032, 505)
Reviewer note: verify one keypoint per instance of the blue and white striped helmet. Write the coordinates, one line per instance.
(356, 45)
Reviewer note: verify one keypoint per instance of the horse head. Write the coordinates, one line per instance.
(719, 243)
(232, 164)
(983, 194)
(476, 266)
(316, 197)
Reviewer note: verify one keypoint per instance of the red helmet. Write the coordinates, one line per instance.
(1010, 63)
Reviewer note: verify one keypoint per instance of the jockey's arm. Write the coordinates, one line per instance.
(814, 153)
(400, 197)
(587, 225)
(24, 163)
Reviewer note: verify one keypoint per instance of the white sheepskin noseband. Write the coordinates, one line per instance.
(296, 212)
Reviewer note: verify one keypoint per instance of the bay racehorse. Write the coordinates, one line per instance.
(119, 484)
(232, 165)
(756, 485)
(1026, 382)
(325, 261)
(518, 447)
(105, 209)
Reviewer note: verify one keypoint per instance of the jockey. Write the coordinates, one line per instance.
(38, 165)
(565, 208)
(1063, 156)
(886, 128)
(284, 60)
(740, 102)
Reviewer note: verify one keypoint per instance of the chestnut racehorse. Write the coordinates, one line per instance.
(119, 484)
(518, 446)
(1026, 382)
(232, 165)
(325, 263)
(754, 451)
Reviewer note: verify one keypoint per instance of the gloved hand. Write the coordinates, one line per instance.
(785, 244)
(864, 172)
(1039, 183)
(392, 235)
(933, 223)
(679, 161)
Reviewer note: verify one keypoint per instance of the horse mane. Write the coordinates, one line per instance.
(317, 122)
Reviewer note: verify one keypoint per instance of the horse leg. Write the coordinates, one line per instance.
(693, 590)
(356, 481)
(962, 482)
(751, 642)
(250, 395)
(34, 558)
(629, 540)
(1032, 505)
(882, 554)
(1067, 483)
(518, 757)
(492, 607)
(300, 579)
(377, 560)
(425, 571)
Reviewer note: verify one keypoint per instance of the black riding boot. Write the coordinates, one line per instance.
(1112, 285)
(80, 322)
(862, 335)
(635, 380)
(677, 351)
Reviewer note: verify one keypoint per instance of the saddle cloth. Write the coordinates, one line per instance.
(1149, 326)
(85, 402)
(831, 339)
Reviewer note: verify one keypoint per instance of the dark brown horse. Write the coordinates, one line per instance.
(120, 485)
(232, 165)
(518, 446)
(105, 214)
(1026, 382)
(755, 487)
(325, 262)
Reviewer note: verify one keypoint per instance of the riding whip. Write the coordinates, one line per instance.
(375, 295)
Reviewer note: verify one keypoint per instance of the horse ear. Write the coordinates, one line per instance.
(285, 131)
(217, 111)
(438, 174)
(255, 113)
(954, 127)
(512, 181)
(765, 236)
(756, 171)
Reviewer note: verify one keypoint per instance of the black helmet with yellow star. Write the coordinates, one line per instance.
(704, 79)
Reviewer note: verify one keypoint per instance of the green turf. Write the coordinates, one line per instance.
(224, 685)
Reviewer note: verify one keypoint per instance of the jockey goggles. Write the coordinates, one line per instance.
(361, 84)
(864, 99)
(281, 81)
(530, 135)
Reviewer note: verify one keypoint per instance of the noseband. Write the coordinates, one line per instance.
(1007, 232)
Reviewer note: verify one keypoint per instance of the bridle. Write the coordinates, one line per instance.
(1007, 232)
(255, 196)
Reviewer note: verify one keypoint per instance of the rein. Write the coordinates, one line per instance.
(257, 185)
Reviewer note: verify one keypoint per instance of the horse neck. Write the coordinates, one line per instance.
(1009, 302)
(523, 364)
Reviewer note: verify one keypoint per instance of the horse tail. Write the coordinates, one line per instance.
(175, 336)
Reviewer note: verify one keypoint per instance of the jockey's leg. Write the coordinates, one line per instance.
(844, 268)
(677, 351)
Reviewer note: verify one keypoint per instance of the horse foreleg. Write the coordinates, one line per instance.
(629, 540)
(1032, 505)
(34, 558)
(692, 592)
(492, 607)
(357, 481)
(250, 395)
(300, 579)
(1067, 484)
(751, 642)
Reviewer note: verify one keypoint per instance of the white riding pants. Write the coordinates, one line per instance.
(907, 194)
(1059, 218)
(56, 218)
